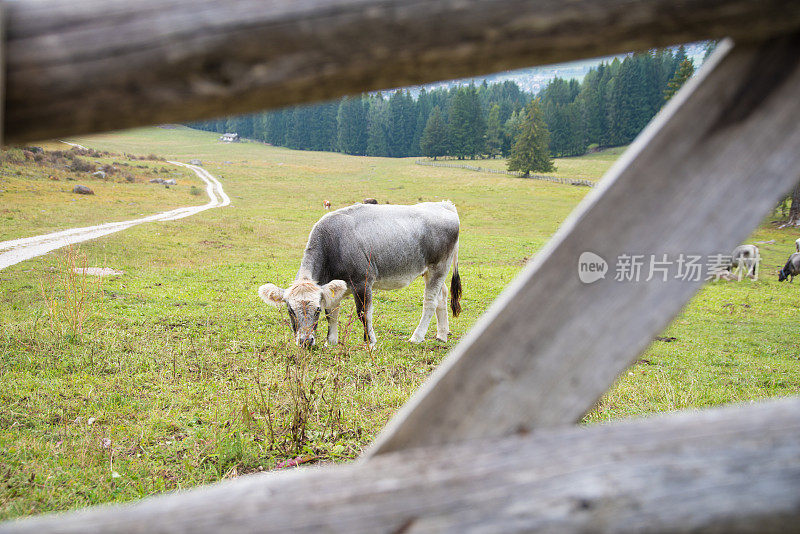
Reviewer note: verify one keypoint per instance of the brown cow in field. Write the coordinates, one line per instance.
(326, 204)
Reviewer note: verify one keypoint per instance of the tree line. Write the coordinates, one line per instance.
(608, 108)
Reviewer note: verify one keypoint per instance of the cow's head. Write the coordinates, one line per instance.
(304, 300)
(783, 274)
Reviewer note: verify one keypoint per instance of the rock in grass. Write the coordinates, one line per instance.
(195, 162)
(82, 190)
(162, 181)
(98, 271)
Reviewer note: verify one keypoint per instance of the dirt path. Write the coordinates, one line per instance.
(18, 250)
(76, 145)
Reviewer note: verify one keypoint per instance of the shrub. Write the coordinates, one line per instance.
(109, 169)
(81, 165)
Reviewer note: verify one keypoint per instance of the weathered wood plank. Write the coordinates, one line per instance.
(94, 65)
(725, 470)
(2, 69)
(696, 181)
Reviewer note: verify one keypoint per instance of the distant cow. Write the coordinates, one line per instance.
(326, 204)
(370, 201)
(791, 269)
(745, 258)
(797, 245)
(355, 249)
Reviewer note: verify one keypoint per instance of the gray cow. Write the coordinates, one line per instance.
(365, 246)
(791, 269)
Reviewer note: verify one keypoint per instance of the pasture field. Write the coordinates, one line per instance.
(37, 198)
(176, 374)
(588, 167)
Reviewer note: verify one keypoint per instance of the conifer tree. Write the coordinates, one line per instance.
(434, 139)
(351, 122)
(494, 132)
(401, 124)
(377, 144)
(531, 151)
(466, 123)
(510, 132)
(683, 73)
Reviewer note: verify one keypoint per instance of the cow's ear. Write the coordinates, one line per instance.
(271, 294)
(332, 293)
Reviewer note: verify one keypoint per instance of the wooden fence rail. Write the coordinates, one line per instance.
(555, 179)
(96, 65)
(727, 470)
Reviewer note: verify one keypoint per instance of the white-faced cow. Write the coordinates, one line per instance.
(363, 247)
(791, 269)
(326, 204)
(797, 245)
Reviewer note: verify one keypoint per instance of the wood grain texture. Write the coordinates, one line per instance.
(95, 65)
(726, 470)
(2, 68)
(696, 181)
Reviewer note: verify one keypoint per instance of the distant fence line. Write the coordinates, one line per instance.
(556, 179)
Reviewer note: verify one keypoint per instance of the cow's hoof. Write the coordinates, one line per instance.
(331, 342)
(442, 339)
(415, 339)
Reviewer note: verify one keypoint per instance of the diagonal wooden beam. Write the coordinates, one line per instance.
(696, 181)
(93, 65)
(724, 470)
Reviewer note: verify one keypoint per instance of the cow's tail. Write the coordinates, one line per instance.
(455, 286)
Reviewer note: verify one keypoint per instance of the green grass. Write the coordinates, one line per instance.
(188, 378)
(37, 197)
(589, 167)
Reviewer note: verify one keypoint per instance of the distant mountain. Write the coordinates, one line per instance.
(534, 79)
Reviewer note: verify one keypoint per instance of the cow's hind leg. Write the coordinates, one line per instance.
(363, 298)
(433, 287)
(442, 326)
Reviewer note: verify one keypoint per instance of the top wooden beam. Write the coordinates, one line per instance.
(95, 65)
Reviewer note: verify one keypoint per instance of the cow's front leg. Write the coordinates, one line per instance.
(363, 298)
(433, 285)
(333, 326)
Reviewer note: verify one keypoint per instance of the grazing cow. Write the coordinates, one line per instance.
(797, 245)
(355, 249)
(370, 201)
(326, 204)
(745, 258)
(791, 269)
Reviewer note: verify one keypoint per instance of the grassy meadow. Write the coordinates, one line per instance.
(176, 374)
(37, 196)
